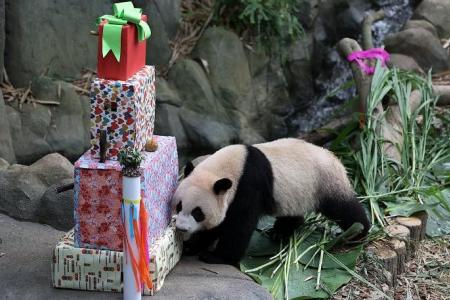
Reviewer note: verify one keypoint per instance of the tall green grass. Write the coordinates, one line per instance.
(406, 185)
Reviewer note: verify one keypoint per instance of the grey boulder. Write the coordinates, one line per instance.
(420, 44)
(229, 72)
(68, 132)
(404, 62)
(22, 187)
(167, 122)
(421, 24)
(59, 33)
(6, 144)
(2, 37)
(205, 131)
(56, 208)
(29, 127)
(437, 12)
(37, 130)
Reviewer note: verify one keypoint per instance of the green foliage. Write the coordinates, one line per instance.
(411, 184)
(301, 268)
(272, 22)
(130, 159)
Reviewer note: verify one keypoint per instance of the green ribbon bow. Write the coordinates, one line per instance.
(124, 12)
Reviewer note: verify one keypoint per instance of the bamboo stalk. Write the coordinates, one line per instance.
(80, 89)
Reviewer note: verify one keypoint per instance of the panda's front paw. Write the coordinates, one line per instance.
(212, 258)
(191, 248)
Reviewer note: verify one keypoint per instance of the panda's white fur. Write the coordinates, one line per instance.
(300, 176)
(298, 169)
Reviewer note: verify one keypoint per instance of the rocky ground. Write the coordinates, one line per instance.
(25, 255)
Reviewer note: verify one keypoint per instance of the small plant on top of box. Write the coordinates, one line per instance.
(130, 159)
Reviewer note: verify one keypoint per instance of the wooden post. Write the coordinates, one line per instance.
(423, 216)
(401, 233)
(415, 227)
(388, 259)
(399, 242)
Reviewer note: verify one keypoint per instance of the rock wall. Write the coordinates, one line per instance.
(52, 37)
(6, 145)
(2, 37)
(225, 92)
(37, 130)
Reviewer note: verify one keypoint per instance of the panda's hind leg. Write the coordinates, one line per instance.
(345, 210)
(285, 226)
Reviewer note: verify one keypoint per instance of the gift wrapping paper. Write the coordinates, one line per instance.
(125, 109)
(98, 196)
(101, 270)
(132, 51)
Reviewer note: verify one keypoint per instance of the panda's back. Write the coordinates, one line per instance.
(302, 173)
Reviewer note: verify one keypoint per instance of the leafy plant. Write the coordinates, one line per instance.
(272, 22)
(130, 159)
(408, 185)
(299, 268)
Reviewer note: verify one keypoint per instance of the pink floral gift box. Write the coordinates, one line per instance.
(125, 110)
(98, 196)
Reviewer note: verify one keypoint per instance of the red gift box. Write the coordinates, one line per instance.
(132, 57)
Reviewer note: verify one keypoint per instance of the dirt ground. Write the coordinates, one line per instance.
(427, 276)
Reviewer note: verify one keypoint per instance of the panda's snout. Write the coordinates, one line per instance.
(180, 225)
(182, 229)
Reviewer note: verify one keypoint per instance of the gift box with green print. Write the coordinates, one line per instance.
(102, 270)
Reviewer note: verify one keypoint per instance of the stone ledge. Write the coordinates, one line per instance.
(25, 271)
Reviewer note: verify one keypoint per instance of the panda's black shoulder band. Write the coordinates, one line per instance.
(258, 174)
(188, 168)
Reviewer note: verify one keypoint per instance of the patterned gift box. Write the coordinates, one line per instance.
(125, 110)
(101, 270)
(132, 57)
(98, 196)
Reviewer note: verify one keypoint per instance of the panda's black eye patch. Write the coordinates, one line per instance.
(178, 208)
(198, 214)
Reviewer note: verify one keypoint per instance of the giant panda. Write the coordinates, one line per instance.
(222, 198)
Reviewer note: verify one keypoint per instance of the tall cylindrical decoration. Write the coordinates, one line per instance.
(136, 272)
(131, 202)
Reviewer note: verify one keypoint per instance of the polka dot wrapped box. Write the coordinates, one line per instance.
(101, 270)
(125, 110)
(98, 196)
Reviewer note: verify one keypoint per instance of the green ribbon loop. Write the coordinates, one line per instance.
(124, 12)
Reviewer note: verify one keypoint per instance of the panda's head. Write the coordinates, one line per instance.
(199, 201)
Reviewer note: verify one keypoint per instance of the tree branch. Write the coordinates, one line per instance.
(367, 28)
(363, 81)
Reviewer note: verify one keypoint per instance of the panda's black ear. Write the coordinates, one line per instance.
(188, 169)
(222, 185)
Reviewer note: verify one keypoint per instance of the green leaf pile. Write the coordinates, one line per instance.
(302, 276)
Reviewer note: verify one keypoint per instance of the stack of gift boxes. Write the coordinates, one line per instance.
(90, 256)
